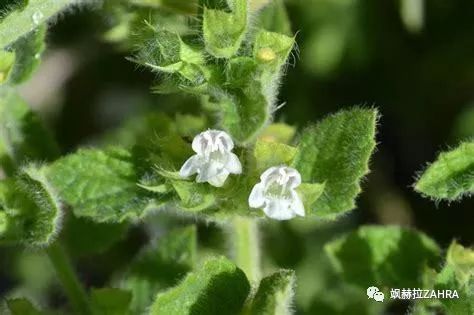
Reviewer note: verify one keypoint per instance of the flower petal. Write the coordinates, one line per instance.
(269, 173)
(256, 198)
(279, 209)
(189, 167)
(233, 164)
(218, 180)
(199, 143)
(225, 139)
(295, 177)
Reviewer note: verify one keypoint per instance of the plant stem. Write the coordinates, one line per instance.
(246, 248)
(65, 272)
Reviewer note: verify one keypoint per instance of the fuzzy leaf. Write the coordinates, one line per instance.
(219, 287)
(160, 266)
(274, 17)
(337, 151)
(110, 302)
(26, 19)
(309, 193)
(28, 50)
(22, 307)
(275, 294)
(100, 185)
(272, 49)
(23, 138)
(225, 31)
(268, 154)
(193, 196)
(451, 176)
(387, 256)
(31, 210)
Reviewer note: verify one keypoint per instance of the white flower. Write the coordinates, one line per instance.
(213, 161)
(276, 193)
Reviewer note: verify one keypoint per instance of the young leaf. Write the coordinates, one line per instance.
(224, 31)
(451, 176)
(383, 256)
(274, 17)
(278, 132)
(23, 21)
(22, 307)
(110, 302)
(28, 50)
(219, 287)
(275, 294)
(268, 154)
(100, 185)
(22, 136)
(458, 274)
(160, 266)
(337, 151)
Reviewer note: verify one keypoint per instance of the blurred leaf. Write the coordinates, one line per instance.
(28, 50)
(458, 274)
(22, 307)
(275, 294)
(383, 256)
(464, 126)
(23, 138)
(451, 176)
(337, 151)
(278, 132)
(83, 236)
(100, 185)
(7, 60)
(274, 17)
(223, 31)
(194, 196)
(219, 287)
(110, 302)
(268, 154)
(26, 19)
(161, 265)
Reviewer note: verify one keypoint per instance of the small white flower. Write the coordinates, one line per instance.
(214, 160)
(276, 193)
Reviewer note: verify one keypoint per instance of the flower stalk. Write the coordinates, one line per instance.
(245, 244)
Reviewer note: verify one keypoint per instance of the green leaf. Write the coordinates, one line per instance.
(272, 49)
(110, 302)
(337, 151)
(458, 274)
(219, 287)
(23, 138)
(23, 21)
(275, 294)
(268, 154)
(22, 307)
(31, 210)
(7, 60)
(381, 256)
(451, 176)
(28, 50)
(100, 185)
(160, 265)
(224, 31)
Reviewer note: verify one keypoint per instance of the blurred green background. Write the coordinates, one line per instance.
(412, 59)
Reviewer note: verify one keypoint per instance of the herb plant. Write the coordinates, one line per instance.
(229, 167)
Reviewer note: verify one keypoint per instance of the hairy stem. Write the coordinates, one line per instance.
(245, 246)
(66, 274)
